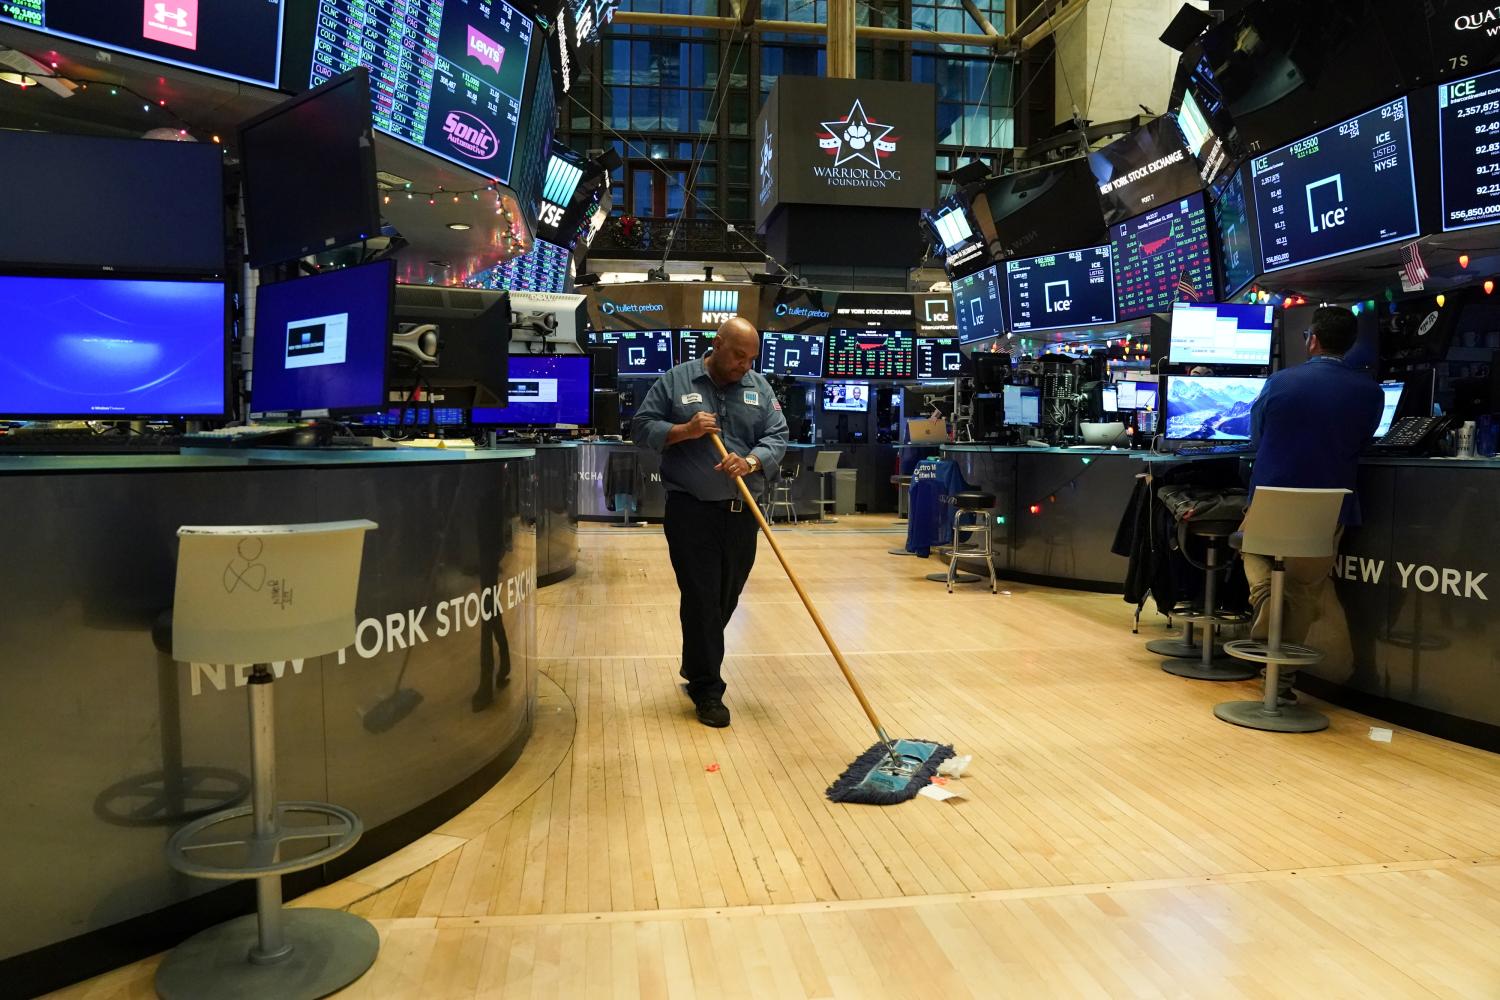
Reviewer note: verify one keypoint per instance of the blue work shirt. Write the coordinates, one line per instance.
(1309, 425)
(750, 423)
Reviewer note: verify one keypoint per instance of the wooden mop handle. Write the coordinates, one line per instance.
(833, 647)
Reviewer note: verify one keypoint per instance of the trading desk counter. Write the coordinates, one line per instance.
(1411, 625)
(109, 745)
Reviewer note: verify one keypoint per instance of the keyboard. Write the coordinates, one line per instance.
(1214, 448)
(239, 437)
(86, 442)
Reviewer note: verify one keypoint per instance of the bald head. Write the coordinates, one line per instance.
(736, 346)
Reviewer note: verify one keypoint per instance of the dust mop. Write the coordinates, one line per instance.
(891, 771)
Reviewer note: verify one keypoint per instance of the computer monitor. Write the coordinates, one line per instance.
(1224, 334)
(473, 326)
(112, 348)
(324, 342)
(1110, 400)
(871, 354)
(1209, 408)
(977, 304)
(1125, 395)
(309, 167)
(606, 365)
(545, 390)
(416, 416)
(91, 203)
(1392, 391)
(991, 370)
(938, 358)
(639, 352)
(694, 344)
(1023, 405)
(795, 354)
(850, 396)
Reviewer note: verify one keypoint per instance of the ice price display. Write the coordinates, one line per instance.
(1076, 288)
(1346, 188)
(1469, 145)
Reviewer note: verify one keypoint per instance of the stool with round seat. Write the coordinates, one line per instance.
(781, 490)
(972, 538)
(1209, 664)
(1282, 524)
(266, 595)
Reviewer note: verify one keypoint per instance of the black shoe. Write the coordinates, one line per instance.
(712, 712)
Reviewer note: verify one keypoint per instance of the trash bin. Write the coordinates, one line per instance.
(843, 490)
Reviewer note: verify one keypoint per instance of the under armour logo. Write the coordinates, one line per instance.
(178, 16)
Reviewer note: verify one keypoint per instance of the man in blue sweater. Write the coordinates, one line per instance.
(1308, 427)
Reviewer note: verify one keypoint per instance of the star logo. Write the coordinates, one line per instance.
(856, 138)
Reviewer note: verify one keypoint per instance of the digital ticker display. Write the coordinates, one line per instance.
(446, 75)
(792, 354)
(1154, 251)
(1076, 288)
(1237, 260)
(1349, 187)
(976, 301)
(1469, 147)
(639, 352)
(871, 354)
(543, 268)
(693, 344)
(938, 357)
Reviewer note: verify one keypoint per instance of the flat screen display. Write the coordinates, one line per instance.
(871, 354)
(1073, 288)
(1469, 148)
(1157, 251)
(1237, 261)
(416, 416)
(1205, 408)
(293, 208)
(976, 303)
(796, 354)
(545, 390)
(322, 343)
(447, 75)
(1135, 395)
(694, 344)
(237, 41)
(112, 348)
(1229, 334)
(1023, 405)
(543, 268)
(1392, 392)
(639, 352)
(851, 396)
(1346, 188)
(116, 203)
(1148, 168)
(938, 357)
(1044, 210)
(1111, 400)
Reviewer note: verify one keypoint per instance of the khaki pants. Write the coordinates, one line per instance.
(1305, 579)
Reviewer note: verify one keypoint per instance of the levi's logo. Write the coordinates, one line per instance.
(470, 135)
(484, 48)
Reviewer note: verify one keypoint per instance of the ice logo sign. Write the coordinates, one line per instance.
(174, 22)
(470, 135)
(484, 48)
(1059, 296)
(1330, 217)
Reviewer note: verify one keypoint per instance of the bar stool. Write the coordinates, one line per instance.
(1209, 665)
(781, 490)
(972, 539)
(264, 595)
(1282, 524)
(826, 463)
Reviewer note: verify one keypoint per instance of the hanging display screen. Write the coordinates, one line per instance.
(1076, 288)
(1156, 252)
(1469, 147)
(1237, 246)
(871, 354)
(446, 75)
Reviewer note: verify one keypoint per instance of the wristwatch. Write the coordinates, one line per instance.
(753, 462)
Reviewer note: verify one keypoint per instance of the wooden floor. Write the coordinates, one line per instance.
(1114, 838)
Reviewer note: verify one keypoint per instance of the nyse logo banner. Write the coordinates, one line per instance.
(720, 305)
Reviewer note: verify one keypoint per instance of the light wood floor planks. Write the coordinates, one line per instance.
(1115, 839)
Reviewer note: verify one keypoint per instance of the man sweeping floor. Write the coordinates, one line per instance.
(710, 533)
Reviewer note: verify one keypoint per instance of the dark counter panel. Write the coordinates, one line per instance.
(556, 513)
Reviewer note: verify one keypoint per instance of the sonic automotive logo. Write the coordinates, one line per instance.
(470, 135)
(720, 305)
(857, 139)
(484, 48)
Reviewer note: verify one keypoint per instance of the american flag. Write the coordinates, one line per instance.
(1412, 268)
(1186, 290)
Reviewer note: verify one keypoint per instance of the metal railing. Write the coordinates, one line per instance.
(644, 238)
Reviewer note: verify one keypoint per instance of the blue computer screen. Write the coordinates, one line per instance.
(544, 390)
(1346, 188)
(1208, 408)
(112, 347)
(322, 343)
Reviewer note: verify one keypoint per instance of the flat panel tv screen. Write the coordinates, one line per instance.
(1237, 262)
(447, 75)
(1228, 334)
(119, 213)
(1054, 291)
(1159, 250)
(237, 41)
(938, 357)
(871, 354)
(795, 354)
(1210, 408)
(112, 348)
(976, 303)
(545, 390)
(851, 396)
(1468, 130)
(1349, 187)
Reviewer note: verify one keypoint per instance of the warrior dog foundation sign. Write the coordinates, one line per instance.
(845, 142)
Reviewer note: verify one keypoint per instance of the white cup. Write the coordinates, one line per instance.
(1466, 440)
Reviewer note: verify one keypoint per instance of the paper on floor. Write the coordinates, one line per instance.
(940, 793)
(954, 767)
(1380, 735)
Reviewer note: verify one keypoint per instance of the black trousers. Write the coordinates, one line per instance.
(712, 550)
